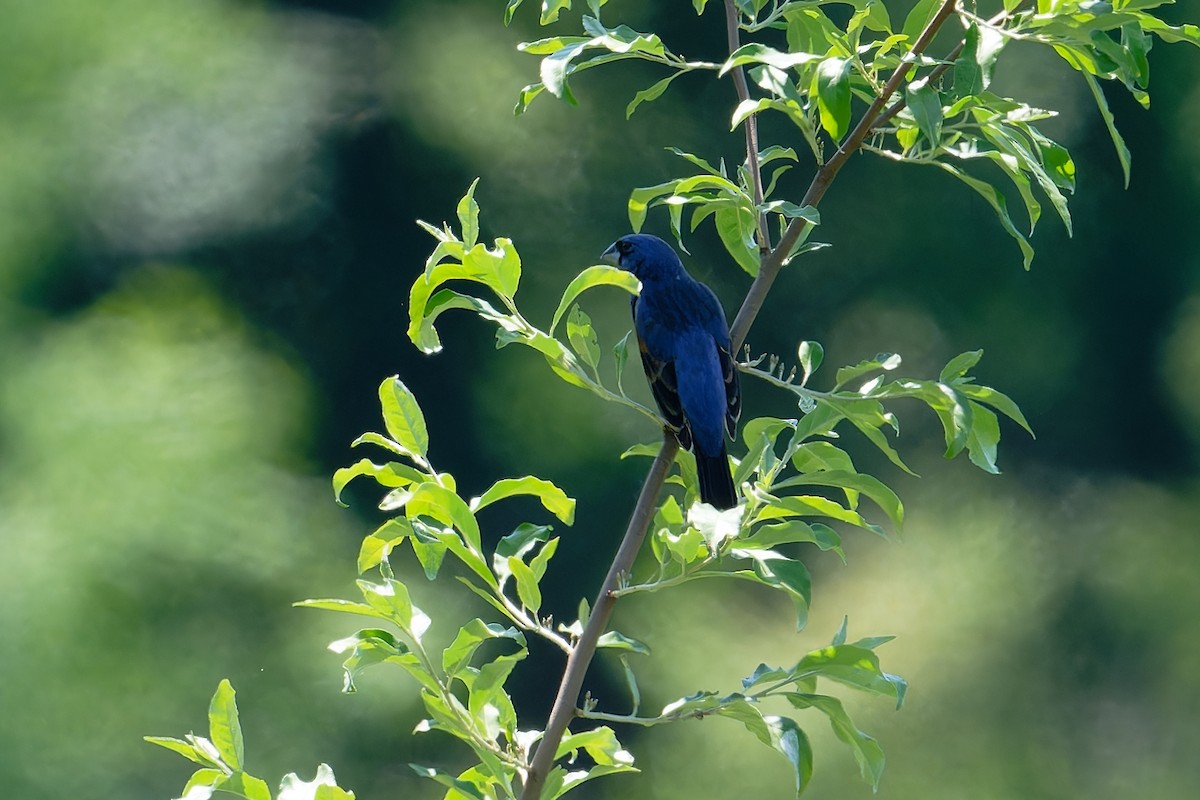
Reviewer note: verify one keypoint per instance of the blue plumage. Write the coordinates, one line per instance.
(684, 342)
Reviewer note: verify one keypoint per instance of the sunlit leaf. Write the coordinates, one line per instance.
(224, 729)
(554, 499)
(403, 418)
(599, 275)
(468, 639)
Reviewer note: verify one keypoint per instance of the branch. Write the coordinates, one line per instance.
(585, 648)
(937, 71)
(635, 533)
(773, 261)
(750, 125)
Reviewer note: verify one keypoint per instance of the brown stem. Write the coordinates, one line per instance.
(639, 521)
(581, 656)
(733, 37)
(773, 261)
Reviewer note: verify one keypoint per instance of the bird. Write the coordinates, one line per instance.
(685, 348)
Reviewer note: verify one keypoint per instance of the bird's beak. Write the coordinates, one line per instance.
(611, 256)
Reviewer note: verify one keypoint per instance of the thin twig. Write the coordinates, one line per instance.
(585, 648)
(750, 126)
(937, 71)
(773, 261)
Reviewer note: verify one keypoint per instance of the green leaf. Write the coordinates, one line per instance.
(391, 598)
(390, 474)
(203, 783)
(883, 361)
(968, 78)
(224, 728)
(867, 751)
(542, 559)
(1110, 123)
(462, 787)
(620, 356)
(983, 438)
(853, 666)
(376, 547)
(458, 655)
(615, 640)
(700, 162)
(600, 275)
(425, 309)
(755, 53)
(185, 749)
(960, 365)
(926, 107)
(996, 200)
(918, 18)
(780, 572)
(551, 10)
(344, 606)
(600, 744)
(372, 646)
(831, 85)
(787, 738)
(523, 539)
(443, 505)
(793, 531)
(468, 216)
(403, 418)
(635, 694)
(553, 499)
(873, 488)
(487, 689)
(811, 354)
(527, 584)
(737, 227)
(997, 400)
(651, 93)
(582, 336)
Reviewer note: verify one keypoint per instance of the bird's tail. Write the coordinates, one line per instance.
(716, 482)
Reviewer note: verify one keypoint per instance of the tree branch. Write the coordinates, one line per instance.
(750, 125)
(773, 261)
(635, 533)
(577, 663)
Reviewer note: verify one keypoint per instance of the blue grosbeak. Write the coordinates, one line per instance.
(684, 341)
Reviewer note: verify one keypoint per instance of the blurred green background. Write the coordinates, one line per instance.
(206, 240)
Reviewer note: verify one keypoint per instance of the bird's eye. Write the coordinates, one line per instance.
(623, 247)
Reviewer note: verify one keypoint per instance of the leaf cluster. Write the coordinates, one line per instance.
(222, 757)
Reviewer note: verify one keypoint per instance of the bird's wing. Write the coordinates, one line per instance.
(660, 373)
(733, 389)
(714, 323)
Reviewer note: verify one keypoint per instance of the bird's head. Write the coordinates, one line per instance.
(648, 257)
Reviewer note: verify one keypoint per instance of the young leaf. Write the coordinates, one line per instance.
(553, 499)
(470, 636)
(403, 418)
(831, 85)
(926, 107)
(468, 216)
(599, 275)
(867, 751)
(582, 336)
(811, 354)
(527, 584)
(223, 727)
(789, 739)
(652, 93)
(620, 356)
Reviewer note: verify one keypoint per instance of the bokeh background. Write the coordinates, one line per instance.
(206, 239)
